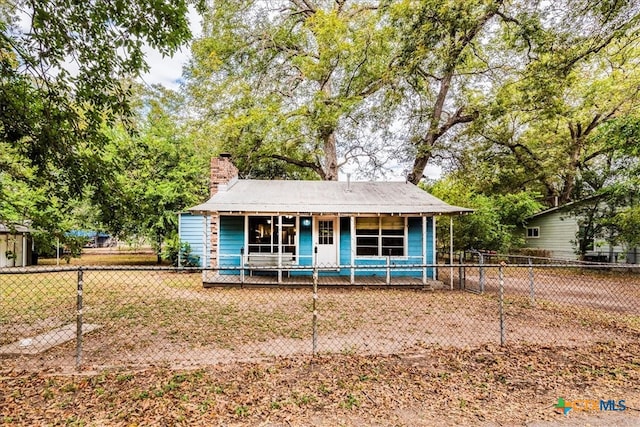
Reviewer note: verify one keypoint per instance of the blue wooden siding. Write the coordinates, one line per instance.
(415, 243)
(414, 247)
(231, 242)
(305, 246)
(192, 232)
(305, 241)
(345, 241)
(232, 235)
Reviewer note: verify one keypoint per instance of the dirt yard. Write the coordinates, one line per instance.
(169, 352)
(615, 291)
(426, 386)
(169, 319)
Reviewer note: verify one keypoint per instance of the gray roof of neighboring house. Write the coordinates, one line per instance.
(325, 197)
(566, 206)
(13, 228)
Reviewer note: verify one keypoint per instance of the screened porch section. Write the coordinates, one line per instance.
(270, 234)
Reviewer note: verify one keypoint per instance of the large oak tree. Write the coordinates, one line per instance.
(286, 85)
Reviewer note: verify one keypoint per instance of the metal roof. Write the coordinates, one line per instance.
(13, 228)
(566, 206)
(325, 197)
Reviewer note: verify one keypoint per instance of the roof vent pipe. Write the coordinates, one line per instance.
(348, 182)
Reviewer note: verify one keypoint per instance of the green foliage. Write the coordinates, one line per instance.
(179, 253)
(627, 223)
(492, 225)
(446, 48)
(608, 186)
(159, 172)
(65, 73)
(280, 89)
(573, 82)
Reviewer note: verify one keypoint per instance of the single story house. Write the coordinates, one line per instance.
(554, 230)
(15, 245)
(292, 224)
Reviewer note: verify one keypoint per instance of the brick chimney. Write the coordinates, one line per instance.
(222, 171)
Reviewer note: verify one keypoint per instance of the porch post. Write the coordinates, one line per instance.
(434, 255)
(451, 252)
(353, 249)
(424, 250)
(279, 248)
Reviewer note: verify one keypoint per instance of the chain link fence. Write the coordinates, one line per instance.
(97, 317)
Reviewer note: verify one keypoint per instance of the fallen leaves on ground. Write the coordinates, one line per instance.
(511, 385)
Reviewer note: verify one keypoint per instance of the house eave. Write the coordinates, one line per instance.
(329, 212)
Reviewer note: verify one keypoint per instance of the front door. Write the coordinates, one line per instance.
(326, 239)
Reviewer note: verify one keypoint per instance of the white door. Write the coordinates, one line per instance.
(326, 240)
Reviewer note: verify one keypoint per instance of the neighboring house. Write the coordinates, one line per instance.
(15, 246)
(554, 230)
(331, 224)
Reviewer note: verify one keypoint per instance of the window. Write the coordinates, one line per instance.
(533, 232)
(264, 236)
(380, 236)
(325, 232)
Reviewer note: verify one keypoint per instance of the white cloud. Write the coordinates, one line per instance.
(167, 71)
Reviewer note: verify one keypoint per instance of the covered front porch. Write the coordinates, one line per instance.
(383, 278)
(335, 245)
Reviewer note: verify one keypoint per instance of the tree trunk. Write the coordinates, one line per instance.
(422, 159)
(330, 158)
(159, 250)
(423, 154)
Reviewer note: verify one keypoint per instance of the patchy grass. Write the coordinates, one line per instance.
(161, 316)
(433, 357)
(90, 257)
(33, 303)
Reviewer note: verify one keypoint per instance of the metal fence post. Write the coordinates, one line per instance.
(461, 271)
(481, 261)
(79, 304)
(532, 291)
(315, 310)
(501, 299)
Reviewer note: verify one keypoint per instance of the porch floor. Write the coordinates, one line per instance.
(213, 279)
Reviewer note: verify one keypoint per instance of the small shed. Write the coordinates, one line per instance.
(16, 245)
(93, 239)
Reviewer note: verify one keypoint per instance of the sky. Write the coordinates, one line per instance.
(167, 71)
